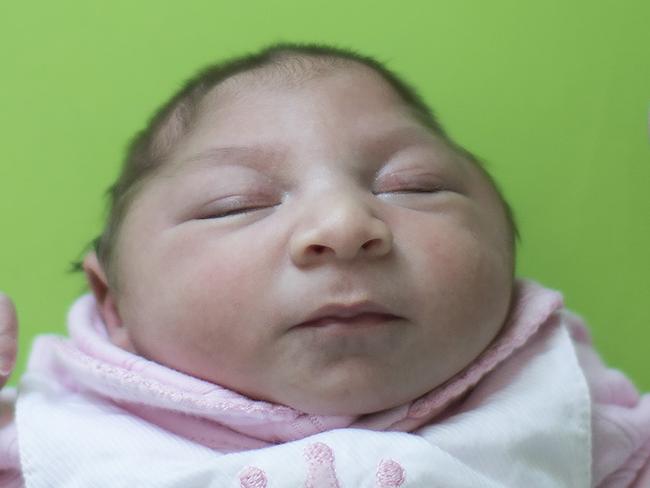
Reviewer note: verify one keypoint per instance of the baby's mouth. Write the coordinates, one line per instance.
(361, 320)
(352, 315)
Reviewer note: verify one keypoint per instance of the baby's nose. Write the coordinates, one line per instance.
(339, 227)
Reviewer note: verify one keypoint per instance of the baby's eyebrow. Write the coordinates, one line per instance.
(387, 143)
(252, 155)
(376, 146)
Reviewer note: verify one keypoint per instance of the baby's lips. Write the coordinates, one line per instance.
(346, 311)
(8, 335)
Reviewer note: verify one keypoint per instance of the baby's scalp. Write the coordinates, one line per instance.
(288, 63)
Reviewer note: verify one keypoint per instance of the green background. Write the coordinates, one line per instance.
(553, 94)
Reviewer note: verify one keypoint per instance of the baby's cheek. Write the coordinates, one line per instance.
(459, 276)
(447, 256)
(204, 329)
(221, 296)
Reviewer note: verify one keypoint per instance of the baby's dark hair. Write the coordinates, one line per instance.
(296, 62)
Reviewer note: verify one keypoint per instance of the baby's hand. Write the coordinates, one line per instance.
(8, 337)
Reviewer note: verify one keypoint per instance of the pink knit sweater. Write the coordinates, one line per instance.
(228, 422)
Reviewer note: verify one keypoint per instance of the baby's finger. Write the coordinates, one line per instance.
(8, 337)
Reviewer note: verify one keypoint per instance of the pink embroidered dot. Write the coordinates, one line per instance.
(252, 477)
(319, 453)
(321, 471)
(390, 474)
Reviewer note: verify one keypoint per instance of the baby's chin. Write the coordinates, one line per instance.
(354, 405)
(352, 401)
(356, 397)
(356, 402)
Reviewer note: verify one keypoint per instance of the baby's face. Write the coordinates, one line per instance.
(326, 201)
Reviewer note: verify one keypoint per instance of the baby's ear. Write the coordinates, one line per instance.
(105, 298)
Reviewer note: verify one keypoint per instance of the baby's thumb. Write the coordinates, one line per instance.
(8, 337)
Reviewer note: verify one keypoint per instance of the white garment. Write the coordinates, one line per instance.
(534, 409)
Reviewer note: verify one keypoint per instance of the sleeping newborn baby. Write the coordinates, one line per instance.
(303, 281)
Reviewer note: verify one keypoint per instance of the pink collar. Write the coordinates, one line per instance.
(223, 419)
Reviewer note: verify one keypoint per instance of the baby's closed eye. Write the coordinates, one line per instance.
(414, 185)
(237, 205)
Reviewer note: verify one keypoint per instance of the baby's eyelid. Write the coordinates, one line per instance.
(412, 189)
(232, 212)
(237, 205)
(409, 184)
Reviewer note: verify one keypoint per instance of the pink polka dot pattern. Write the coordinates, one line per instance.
(320, 460)
(321, 472)
(252, 477)
(390, 474)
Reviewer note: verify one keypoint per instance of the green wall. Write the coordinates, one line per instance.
(554, 95)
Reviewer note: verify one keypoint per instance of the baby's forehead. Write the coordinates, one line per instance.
(390, 131)
(237, 115)
(297, 77)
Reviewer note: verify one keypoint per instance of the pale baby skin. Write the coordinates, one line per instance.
(323, 200)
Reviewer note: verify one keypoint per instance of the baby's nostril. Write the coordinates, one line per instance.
(370, 243)
(318, 249)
